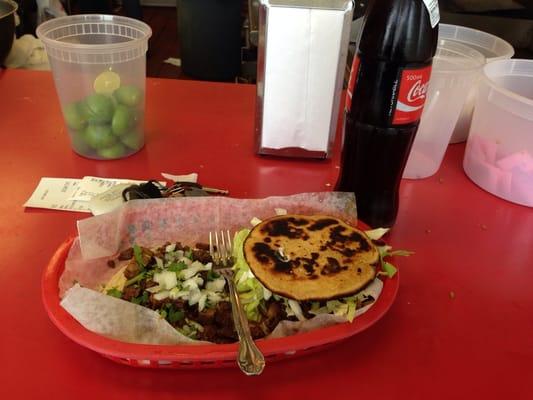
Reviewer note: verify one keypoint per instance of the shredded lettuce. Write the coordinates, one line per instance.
(389, 269)
(345, 307)
(295, 310)
(350, 313)
(385, 251)
(376, 234)
(251, 291)
(403, 253)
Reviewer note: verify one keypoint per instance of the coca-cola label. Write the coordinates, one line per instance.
(412, 92)
(351, 82)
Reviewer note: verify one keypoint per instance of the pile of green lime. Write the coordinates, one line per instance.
(107, 123)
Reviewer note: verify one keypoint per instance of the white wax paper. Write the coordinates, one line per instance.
(119, 319)
(151, 223)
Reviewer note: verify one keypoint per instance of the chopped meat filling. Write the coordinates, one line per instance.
(130, 292)
(132, 270)
(216, 320)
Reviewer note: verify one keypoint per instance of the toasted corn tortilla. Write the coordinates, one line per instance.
(310, 257)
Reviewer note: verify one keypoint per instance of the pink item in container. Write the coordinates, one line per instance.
(510, 177)
(499, 151)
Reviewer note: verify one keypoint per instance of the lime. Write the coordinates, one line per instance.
(128, 95)
(74, 116)
(122, 120)
(114, 151)
(100, 108)
(99, 136)
(84, 110)
(137, 118)
(106, 83)
(79, 144)
(134, 140)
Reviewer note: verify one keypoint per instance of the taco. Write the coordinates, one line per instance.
(180, 284)
(310, 258)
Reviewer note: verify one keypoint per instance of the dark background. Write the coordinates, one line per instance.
(511, 20)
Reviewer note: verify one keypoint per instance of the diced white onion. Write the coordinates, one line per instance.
(187, 261)
(166, 279)
(161, 295)
(179, 294)
(213, 297)
(171, 256)
(193, 269)
(255, 221)
(173, 293)
(193, 283)
(200, 266)
(201, 301)
(171, 247)
(154, 289)
(216, 285)
(194, 296)
(280, 211)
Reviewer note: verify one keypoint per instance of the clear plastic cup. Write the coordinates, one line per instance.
(99, 68)
(492, 47)
(499, 151)
(456, 69)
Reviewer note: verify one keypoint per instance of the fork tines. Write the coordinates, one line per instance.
(220, 248)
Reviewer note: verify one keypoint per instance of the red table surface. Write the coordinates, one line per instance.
(461, 327)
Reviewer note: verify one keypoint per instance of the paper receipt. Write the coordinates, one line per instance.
(89, 194)
(57, 194)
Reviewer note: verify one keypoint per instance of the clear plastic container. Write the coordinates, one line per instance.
(99, 68)
(499, 151)
(456, 69)
(492, 47)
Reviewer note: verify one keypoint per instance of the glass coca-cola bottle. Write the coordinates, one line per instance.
(386, 95)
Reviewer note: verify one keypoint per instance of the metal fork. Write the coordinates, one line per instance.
(250, 359)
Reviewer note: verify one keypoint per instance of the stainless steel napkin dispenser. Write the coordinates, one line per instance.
(300, 72)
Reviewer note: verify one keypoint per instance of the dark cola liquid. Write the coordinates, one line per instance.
(397, 38)
(373, 178)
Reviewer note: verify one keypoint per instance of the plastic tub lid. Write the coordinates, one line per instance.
(491, 46)
(94, 38)
(453, 57)
(510, 98)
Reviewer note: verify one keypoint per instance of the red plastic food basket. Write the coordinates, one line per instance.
(198, 356)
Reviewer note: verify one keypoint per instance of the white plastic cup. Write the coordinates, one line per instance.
(99, 68)
(499, 151)
(456, 69)
(492, 47)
